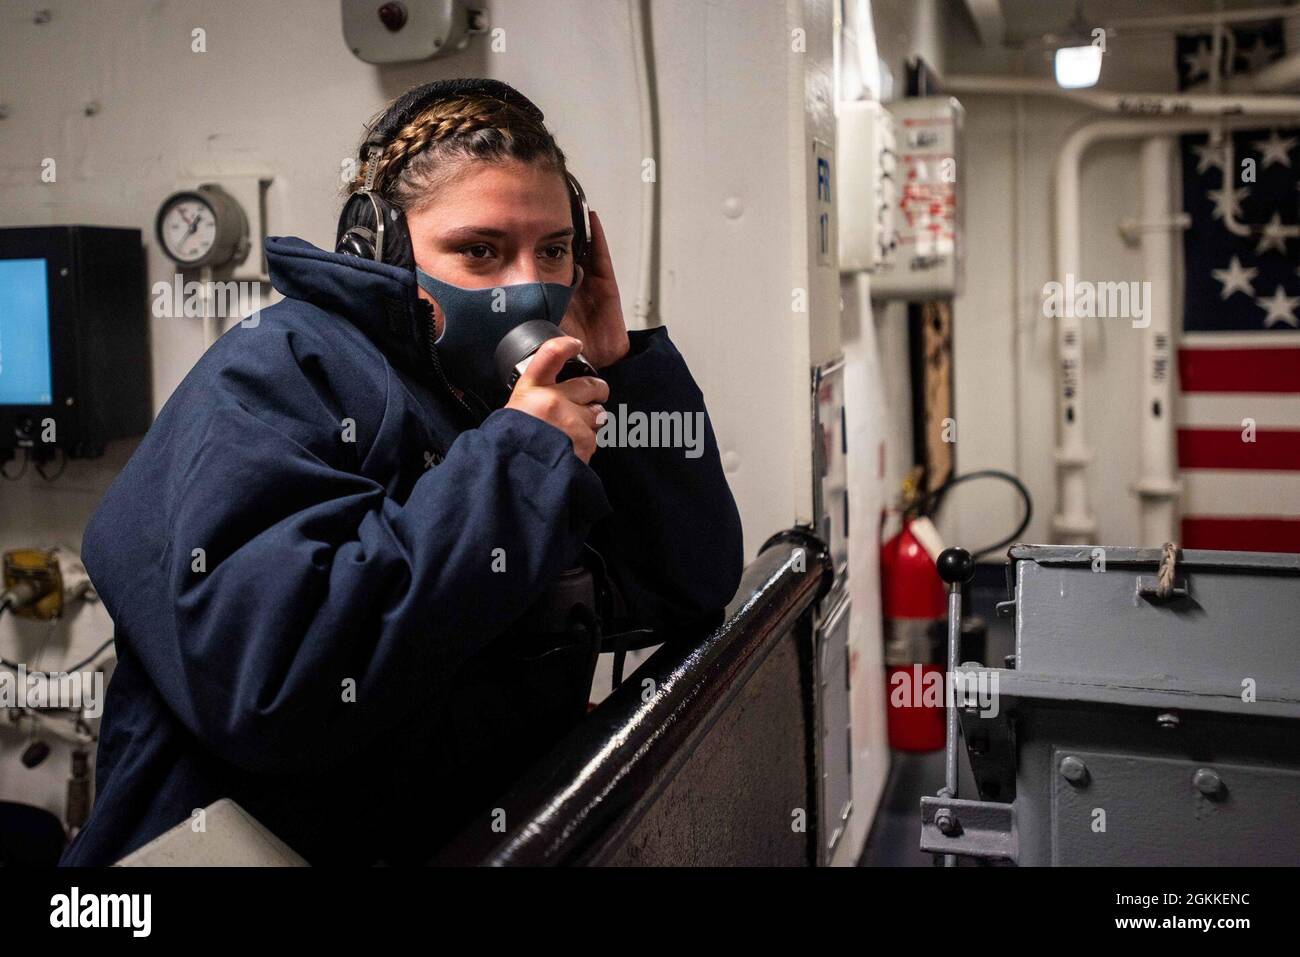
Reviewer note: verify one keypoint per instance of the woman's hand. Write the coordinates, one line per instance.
(572, 406)
(595, 314)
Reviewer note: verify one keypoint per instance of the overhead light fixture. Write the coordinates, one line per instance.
(1077, 51)
(1078, 67)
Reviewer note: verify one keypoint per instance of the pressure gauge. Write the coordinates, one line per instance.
(203, 227)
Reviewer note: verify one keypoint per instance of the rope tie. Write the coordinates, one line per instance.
(1165, 577)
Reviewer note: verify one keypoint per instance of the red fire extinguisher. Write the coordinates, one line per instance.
(914, 603)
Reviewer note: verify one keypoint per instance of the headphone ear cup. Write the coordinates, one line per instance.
(398, 250)
(581, 220)
(356, 233)
(359, 233)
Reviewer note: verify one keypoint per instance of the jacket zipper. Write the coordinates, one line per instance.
(431, 351)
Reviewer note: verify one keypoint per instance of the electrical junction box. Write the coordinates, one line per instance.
(928, 207)
(868, 185)
(400, 31)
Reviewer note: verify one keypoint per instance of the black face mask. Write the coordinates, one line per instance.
(475, 321)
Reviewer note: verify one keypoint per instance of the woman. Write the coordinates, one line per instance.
(332, 563)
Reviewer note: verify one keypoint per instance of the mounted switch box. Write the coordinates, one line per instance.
(400, 31)
(928, 211)
(868, 181)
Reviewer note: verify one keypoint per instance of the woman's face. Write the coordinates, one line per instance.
(495, 225)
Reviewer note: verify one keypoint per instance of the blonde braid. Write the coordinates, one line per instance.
(433, 126)
(409, 163)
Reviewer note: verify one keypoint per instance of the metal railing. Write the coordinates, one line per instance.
(705, 755)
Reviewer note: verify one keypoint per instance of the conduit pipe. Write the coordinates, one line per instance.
(646, 306)
(211, 324)
(1208, 18)
(1283, 74)
(1158, 487)
(1130, 104)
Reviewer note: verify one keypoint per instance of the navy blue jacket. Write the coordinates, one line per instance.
(299, 565)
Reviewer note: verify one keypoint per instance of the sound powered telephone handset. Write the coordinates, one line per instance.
(516, 350)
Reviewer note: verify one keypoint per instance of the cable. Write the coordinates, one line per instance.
(620, 660)
(14, 666)
(932, 502)
(5, 602)
(63, 464)
(618, 643)
(91, 657)
(21, 472)
(81, 732)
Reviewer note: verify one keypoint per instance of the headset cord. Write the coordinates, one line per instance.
(619, 642)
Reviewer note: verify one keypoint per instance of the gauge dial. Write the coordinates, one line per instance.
(204, 227)
(188, 228)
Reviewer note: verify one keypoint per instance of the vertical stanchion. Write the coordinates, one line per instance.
(956, 567)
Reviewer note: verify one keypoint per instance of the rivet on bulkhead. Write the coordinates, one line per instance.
(1074, 770)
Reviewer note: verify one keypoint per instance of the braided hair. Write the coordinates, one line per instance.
(435, 146)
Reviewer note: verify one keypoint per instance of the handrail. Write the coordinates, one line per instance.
(611, 766)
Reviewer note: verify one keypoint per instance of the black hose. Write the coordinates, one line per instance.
(934, 501)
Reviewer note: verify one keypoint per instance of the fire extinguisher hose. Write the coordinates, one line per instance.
(931, 504)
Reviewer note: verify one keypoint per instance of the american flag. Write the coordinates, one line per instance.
(1239, 358)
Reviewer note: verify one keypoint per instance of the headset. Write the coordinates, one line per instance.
(373, 228)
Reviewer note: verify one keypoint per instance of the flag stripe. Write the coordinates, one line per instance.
(1234, 493)
(1231, 410)
(1226, 449)
(1242, 534)
(1239, 370)
(1274, 338)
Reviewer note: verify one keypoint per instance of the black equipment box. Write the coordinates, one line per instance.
(74, 339)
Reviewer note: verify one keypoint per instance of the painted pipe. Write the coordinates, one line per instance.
(211, 325)
(1158, 488)
(1130, 104)
(646, 306)
(1074, 523)
(1209, 18)
(1283, 74)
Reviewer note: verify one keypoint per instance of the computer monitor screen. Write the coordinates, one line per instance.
(24, 333)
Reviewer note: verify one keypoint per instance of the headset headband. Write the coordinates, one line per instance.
(413, 102)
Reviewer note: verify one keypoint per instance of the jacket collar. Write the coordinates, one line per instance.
(381, 300)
